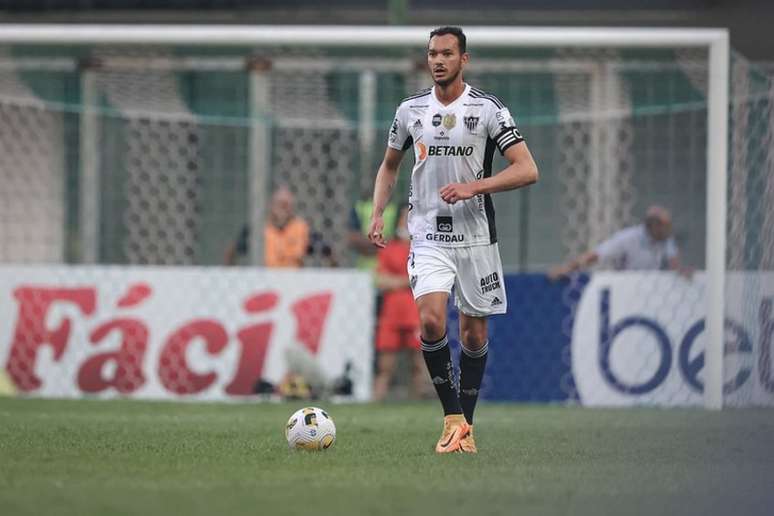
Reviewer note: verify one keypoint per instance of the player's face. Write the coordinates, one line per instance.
(444, 59)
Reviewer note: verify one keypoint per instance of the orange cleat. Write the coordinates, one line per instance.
(467, 443)
(454, 429)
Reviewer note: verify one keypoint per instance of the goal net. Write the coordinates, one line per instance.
(161, 152)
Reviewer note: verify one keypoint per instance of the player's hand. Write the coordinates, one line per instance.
(376, 232)
(558, 273)
(454, 192)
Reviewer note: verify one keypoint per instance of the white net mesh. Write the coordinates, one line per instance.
(314, 153)
(158, 139)
(173, 149)
(750, 246)
(32, 168)
(596, 154)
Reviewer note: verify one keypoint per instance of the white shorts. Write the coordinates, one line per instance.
(476, 273)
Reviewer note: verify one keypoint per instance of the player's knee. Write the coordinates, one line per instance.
(473, 338)
(433, 325)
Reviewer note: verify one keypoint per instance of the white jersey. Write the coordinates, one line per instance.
(452, 144)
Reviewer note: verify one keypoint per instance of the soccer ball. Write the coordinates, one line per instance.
(310, 428)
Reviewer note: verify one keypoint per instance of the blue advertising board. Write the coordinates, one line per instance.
(627, 338)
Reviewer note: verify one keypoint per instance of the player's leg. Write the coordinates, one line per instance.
(473, 334)
(431, 272)
(386, 364)
(437, 357)
(479, 292)
(435, 349)
(475, 347)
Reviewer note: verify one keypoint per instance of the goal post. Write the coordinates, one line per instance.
(713, 41)
(717, 163)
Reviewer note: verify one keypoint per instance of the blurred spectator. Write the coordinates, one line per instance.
(286, 235)
(398, 327)
(646, 246)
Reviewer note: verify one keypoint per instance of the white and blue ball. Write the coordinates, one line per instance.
(310, 428)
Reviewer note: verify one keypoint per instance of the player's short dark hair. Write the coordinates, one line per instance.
(462, 42)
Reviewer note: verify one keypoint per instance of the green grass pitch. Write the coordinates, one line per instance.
(127, 457)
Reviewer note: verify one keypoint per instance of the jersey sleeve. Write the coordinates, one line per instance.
(399, 137)
(613, 248)
(502, 128)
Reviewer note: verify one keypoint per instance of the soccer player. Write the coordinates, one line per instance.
(453, 130)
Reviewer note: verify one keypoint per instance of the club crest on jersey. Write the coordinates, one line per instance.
(449, 121)
(436, 120)
(471, 122)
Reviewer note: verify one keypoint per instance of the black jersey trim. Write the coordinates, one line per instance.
(488, 204)
(408, 143)
(479, 94)
(497, 104)
(420, 93)
(482, 93)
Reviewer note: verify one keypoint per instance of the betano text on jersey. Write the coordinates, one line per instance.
(452, 144)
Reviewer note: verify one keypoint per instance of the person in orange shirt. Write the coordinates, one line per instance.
(398, 326)
(286, 235)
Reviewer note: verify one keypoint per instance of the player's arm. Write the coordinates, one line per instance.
(383, 187)
(612, 249)
(398, 141)
(581, 262)
(522, 171)
(675, 263)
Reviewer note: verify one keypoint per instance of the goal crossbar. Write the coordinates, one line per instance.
(715, 41)
(239, 35)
